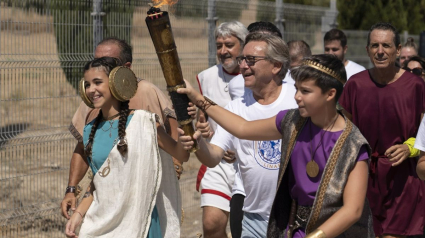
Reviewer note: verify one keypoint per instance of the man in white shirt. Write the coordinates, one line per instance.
(222, 83)
(335, 42)
(263, 64)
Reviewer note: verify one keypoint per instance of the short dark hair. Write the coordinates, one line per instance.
(415, 58)
(126, 54)
(336, 34)
(323, 80)
(264, 26)
(385, 26)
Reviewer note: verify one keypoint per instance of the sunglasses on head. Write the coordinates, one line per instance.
(417, 71)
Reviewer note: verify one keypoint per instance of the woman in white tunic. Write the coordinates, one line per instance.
(134, 192)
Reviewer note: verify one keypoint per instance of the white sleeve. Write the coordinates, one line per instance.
(222, 138)
(420, 137)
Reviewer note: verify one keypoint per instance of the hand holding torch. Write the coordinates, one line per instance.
(159, 27)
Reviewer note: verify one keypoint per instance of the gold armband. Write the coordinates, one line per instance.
(203, 105)
(411, 143)
(316, 234)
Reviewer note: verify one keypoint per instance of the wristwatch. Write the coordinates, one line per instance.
(70, 189)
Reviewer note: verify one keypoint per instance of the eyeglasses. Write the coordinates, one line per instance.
(250, 60)
(417, 71)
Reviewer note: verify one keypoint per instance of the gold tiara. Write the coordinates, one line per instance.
(324, 69)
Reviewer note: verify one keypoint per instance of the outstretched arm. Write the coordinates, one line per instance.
(353, 199)
(234, 124)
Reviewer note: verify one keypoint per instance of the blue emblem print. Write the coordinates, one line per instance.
(267, 154)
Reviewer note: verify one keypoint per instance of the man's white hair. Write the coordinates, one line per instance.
(232, 28)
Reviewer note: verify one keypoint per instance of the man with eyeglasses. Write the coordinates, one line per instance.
(221, 83)
(263, 64)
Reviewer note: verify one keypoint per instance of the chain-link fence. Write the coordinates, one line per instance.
(43, 46)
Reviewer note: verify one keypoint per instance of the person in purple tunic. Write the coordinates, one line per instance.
(322, 181)
(386, 103)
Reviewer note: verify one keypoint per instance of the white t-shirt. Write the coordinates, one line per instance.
(258, 160)
(238, 185)
(420, 137)
(353, 68)
(220, 86)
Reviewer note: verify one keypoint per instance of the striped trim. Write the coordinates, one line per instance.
(215, 192)
(75, 133)
(199, 85)
(201, 174)
(327, 175)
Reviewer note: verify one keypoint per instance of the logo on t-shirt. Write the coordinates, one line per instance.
(267, 154)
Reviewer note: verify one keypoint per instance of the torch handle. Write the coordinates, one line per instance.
(180, 103)
(188, 130)
(163, 40)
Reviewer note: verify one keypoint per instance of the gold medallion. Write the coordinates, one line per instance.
(312, 169)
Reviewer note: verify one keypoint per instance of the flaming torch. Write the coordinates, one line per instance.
(159, 27)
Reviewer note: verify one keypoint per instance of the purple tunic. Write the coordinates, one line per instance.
(302, 187)
(388, 115)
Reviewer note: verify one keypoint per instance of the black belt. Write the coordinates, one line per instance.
(298, 217)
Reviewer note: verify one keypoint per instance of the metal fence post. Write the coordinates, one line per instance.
(422, 44)
(97, 23)
(405, 36)
(211, 19)
(279, 21)
(329, 21)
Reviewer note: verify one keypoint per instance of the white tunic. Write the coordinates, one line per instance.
(124, 200)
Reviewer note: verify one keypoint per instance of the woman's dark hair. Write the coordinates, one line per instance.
(107, 64)
(415, 58)
(323, 80)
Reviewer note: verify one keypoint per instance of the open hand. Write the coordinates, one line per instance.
(72, 225)
(397, 154)
(68, 202)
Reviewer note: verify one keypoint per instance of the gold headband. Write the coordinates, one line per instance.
(324, 69)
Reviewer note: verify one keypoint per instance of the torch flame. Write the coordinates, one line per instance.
(159, 3)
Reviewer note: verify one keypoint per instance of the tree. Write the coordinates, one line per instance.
(198, 8)
(406, 15)
(72, 23)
